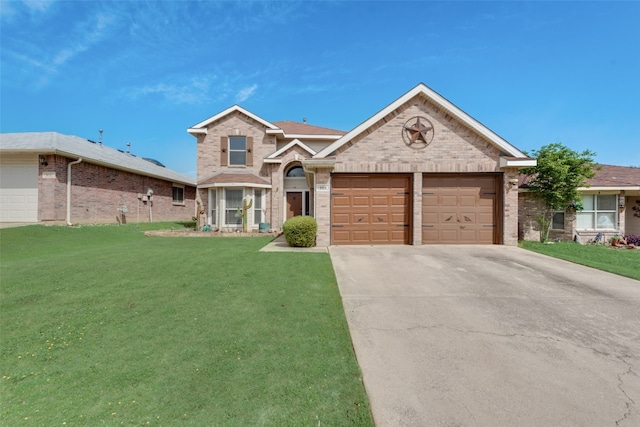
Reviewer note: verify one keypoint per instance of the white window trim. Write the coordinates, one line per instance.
(253, 208)
(214, 204)
(595, 212)
(229, 150)
(223, 213)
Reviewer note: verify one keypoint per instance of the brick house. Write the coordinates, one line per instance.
(420, 171)
(611, 206)
(48, 177)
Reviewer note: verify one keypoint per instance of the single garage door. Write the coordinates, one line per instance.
(19, 190)
(460, 209)
(370, 209)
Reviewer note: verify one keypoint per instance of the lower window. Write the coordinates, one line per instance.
(557, 222)
(178, 195)
(599, 212)
(233, 202)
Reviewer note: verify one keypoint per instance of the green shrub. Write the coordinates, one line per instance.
(300, 231)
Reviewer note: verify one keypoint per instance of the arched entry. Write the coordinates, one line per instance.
(297, 200)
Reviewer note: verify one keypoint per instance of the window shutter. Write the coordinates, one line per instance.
(249, 151)
(224, 150)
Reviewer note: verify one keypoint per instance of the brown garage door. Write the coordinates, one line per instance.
(460, 209)
(370, 209)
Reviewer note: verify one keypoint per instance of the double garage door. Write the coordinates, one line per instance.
(378, 209)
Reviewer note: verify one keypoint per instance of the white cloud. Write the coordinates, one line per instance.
(38, 6)
(246, 93)
(194, 91)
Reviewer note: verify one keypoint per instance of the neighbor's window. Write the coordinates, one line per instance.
(557, 222)
(599, 212)
(178, 194)
(237, 150)
(233, 201)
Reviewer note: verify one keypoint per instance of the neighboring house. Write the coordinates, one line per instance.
(50, 177)
(611, 206)
(420, 171)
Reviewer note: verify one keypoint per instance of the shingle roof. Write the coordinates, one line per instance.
(296, 128)
(235, 178)
(607, 176)
(616, 176)
(74, 146)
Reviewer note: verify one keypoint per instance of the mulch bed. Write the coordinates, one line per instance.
(192, 233)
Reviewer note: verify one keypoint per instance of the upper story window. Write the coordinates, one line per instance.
(236, 151)
(599, 212)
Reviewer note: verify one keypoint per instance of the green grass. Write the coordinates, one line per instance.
(624, 262)
(104, 326)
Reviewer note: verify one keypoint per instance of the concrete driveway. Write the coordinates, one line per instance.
(490, 336)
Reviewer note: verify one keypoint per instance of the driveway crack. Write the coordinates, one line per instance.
(629, 401)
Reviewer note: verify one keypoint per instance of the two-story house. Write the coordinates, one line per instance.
(420, 171)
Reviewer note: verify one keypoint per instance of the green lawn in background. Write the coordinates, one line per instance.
(102, 325)
(625, 262)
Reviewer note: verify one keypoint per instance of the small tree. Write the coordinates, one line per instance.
(556, 178)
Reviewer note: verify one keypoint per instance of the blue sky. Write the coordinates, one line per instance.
(533, 72)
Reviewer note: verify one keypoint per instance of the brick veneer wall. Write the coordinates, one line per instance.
(528, 229)
(208, 152)
(455, 148)
(98, 191)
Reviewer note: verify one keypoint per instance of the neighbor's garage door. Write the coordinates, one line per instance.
(370, 209)
(460, 209)
(19, 190)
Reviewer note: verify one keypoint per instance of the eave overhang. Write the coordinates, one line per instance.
(517, 162)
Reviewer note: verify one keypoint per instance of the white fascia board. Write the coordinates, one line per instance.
(193, 131)
(290, 145)
(205, 123)
(517, 163)
(322, 137)
(318, 163)
(437, 99)
(234, 184)
(274, 131)
(609, 189)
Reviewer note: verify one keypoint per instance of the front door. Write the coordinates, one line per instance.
(294, 204)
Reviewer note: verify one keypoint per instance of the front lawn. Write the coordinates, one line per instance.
(104, 326)
(625, 262)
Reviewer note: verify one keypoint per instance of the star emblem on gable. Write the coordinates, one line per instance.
(417, 132)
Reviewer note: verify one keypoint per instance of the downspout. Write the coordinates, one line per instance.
(69, 189)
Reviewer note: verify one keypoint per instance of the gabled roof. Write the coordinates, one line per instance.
(74, 146)
(424, 90)
(201, 128)
(274, 157)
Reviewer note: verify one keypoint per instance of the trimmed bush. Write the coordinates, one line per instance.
(300, 231)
